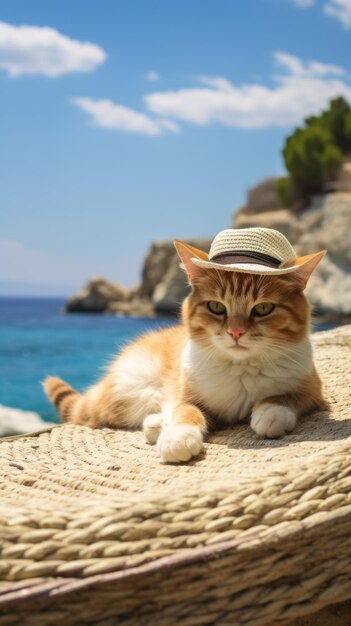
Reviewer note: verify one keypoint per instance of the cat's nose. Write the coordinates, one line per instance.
(236, 332)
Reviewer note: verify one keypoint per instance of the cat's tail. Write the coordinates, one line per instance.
(62, 396)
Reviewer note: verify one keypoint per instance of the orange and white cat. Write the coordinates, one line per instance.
(242, 351)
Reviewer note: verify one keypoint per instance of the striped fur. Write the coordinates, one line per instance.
(62, 396)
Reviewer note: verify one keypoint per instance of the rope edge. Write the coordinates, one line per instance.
(33, 433)
(72, 585)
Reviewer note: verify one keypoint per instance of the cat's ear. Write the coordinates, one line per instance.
(307, 264)
(186, 253)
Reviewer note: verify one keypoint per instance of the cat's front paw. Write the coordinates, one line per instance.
(179, 442)
(152, 427)
(273, 420)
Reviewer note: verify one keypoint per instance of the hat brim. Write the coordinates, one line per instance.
(246, 268)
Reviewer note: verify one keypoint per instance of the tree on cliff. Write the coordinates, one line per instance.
(314, 153)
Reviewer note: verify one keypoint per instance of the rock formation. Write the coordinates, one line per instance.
(262, 197)
(163, 282)
(96, 296)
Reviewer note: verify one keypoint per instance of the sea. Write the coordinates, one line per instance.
(38, 339)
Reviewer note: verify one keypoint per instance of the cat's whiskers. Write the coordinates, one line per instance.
(287, 355)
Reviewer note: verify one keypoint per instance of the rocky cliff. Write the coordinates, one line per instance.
(163, 282)
(324, 224)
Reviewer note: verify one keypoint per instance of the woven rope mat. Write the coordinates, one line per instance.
(94, 529)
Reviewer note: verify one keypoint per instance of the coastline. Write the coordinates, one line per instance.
(321, 225)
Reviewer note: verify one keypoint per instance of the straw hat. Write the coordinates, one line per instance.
(251, 250)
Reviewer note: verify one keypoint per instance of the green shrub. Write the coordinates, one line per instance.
(348, 129)
(284, 190)
(335, 120)
(303, 155)
(313, 154)
(331, 161)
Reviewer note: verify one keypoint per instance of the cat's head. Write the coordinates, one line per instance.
(243, 314)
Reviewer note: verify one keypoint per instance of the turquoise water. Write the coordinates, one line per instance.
(37, 339)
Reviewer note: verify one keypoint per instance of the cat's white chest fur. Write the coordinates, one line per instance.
(229, 389)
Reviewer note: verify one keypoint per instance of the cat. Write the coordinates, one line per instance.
(242, 350)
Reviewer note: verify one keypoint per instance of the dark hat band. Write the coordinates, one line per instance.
(244, 256)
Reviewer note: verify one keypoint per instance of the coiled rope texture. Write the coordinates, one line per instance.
(95, 530)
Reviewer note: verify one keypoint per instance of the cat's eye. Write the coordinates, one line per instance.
(216, 307)
(263, 308)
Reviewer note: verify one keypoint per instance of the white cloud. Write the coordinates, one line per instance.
(304, 4)
(309, 69)
(153, 76)
(107, 114)
(168, 125)
(300, 89)
(42, 50)
(341, 9)
(217, 82)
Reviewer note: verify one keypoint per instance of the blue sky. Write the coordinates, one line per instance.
(133, 121)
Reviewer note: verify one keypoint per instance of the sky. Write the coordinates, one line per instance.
(124, 122)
